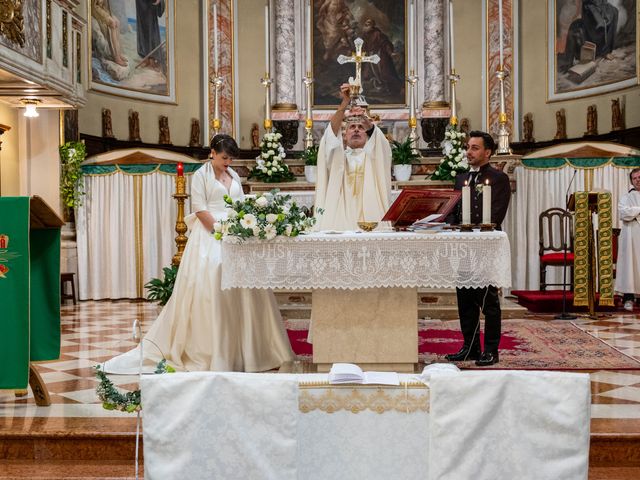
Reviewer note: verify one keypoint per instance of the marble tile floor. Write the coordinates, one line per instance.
(95, 331)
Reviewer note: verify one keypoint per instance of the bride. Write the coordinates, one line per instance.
(203, 327)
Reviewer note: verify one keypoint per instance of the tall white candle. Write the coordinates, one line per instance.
(309, 36)
(486, 203)
(215, 38)
(410, 45)
(451, 46)
(466, 204)
(500, 33)
(267, 46)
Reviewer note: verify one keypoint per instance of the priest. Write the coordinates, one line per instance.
(354, 170)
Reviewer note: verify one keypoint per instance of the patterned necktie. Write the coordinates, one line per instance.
(472, 178)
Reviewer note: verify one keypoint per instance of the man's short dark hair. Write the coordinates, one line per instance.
(635, 170)
(487, 140)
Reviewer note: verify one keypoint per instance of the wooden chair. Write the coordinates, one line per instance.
(556, 231)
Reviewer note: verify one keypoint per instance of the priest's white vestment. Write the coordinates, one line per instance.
(628, 266)
(353, 184)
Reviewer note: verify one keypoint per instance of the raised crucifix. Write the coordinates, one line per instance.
(357, 57)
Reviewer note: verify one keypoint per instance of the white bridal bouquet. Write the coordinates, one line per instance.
(265, 217)
(270, 166)
(454, 155)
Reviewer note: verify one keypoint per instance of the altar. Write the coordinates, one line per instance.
(364, 285)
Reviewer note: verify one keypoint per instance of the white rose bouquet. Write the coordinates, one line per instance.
(270, 166)
(265, 216)
(454, 159)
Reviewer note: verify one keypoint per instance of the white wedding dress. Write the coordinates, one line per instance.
(203, 327)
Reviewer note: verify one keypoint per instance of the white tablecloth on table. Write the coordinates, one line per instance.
(353, 260)
(482, 425)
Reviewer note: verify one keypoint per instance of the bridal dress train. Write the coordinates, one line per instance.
(203, 327)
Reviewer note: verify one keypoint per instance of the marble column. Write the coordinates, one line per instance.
(285, 110)
(435, 109)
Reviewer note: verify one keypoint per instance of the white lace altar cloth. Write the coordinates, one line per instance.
(354, 260)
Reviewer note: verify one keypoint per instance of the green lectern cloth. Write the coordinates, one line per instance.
(29, 293)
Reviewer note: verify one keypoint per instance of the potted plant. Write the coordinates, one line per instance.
(160, 289)
(402, 156)
(72, 154)
(310, 157)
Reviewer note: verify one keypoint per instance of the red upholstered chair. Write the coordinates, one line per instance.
(556, 231)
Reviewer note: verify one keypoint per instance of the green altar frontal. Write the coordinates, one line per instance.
(29, 287)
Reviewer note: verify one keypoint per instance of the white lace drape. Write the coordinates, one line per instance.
(369, 260)
(538, 190)
(124, 233)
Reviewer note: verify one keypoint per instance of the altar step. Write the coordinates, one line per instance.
(91, 448)
(438, 304)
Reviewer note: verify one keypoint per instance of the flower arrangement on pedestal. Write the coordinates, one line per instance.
(455, 155)
(265, 217)
(270, 166)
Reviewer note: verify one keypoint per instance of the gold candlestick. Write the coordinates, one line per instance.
(266, 83)
(217, 85)
(181, 227)
(503, 131)
(412, 79)
(453, 79)
(308, 122)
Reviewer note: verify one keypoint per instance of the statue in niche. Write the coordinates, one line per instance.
(134, 127)
(465, 127)
(165, 137)
(107, 128)
(194, 140)
(255, 137)
(527, 128)
(592, 121)
(617, 123)
(561, 125)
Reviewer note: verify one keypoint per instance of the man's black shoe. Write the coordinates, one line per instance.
(487, 358)
(465, 353)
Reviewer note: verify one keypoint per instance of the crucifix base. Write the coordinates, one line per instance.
(375, 328)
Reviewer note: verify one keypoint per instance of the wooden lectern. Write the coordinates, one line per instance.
(413, 204)
(29, 292)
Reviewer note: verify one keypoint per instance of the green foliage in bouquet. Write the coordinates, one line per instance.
(72, 154)
(310, 156)
(402, 153)
(265, 216)
(455, 155)
(160, 289)
(270, 166)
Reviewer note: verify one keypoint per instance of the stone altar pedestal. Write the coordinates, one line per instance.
(374, 327)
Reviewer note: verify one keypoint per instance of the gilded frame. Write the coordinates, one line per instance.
(567, 27)
(149, 73)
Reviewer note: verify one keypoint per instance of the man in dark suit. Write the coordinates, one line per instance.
(480, 146)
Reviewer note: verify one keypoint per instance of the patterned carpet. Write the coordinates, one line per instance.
(525, 345)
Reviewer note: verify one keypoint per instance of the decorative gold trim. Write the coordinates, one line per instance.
(358, 399)
(137, 228)
(65, 39)
(12, 21)
(48, 33)
(285, 107)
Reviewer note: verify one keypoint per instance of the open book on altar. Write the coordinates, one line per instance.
(422, 206)
(351, 373)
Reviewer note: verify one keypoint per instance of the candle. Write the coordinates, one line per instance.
(309, 38)
(486, 203)
(215, 38)
(180, 169)
(410, 39)
(466, 204)
(266, 40)
(451, 47)
(500, 33)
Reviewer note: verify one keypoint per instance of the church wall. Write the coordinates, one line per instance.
(250, 68)
(9, 152)
(468, 41)
(189, 97)
(534, 81)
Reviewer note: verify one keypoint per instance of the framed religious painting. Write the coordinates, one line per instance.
(132, 48)
(382, 25)
(592, 47)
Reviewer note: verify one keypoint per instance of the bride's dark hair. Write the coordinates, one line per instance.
(225, 143)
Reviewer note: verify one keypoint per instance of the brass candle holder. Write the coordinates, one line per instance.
(181, 227)
(487, 227)
(466, 227)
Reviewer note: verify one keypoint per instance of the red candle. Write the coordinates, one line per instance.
(180, 169)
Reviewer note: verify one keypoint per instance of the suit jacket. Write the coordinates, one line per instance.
(500, 196)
